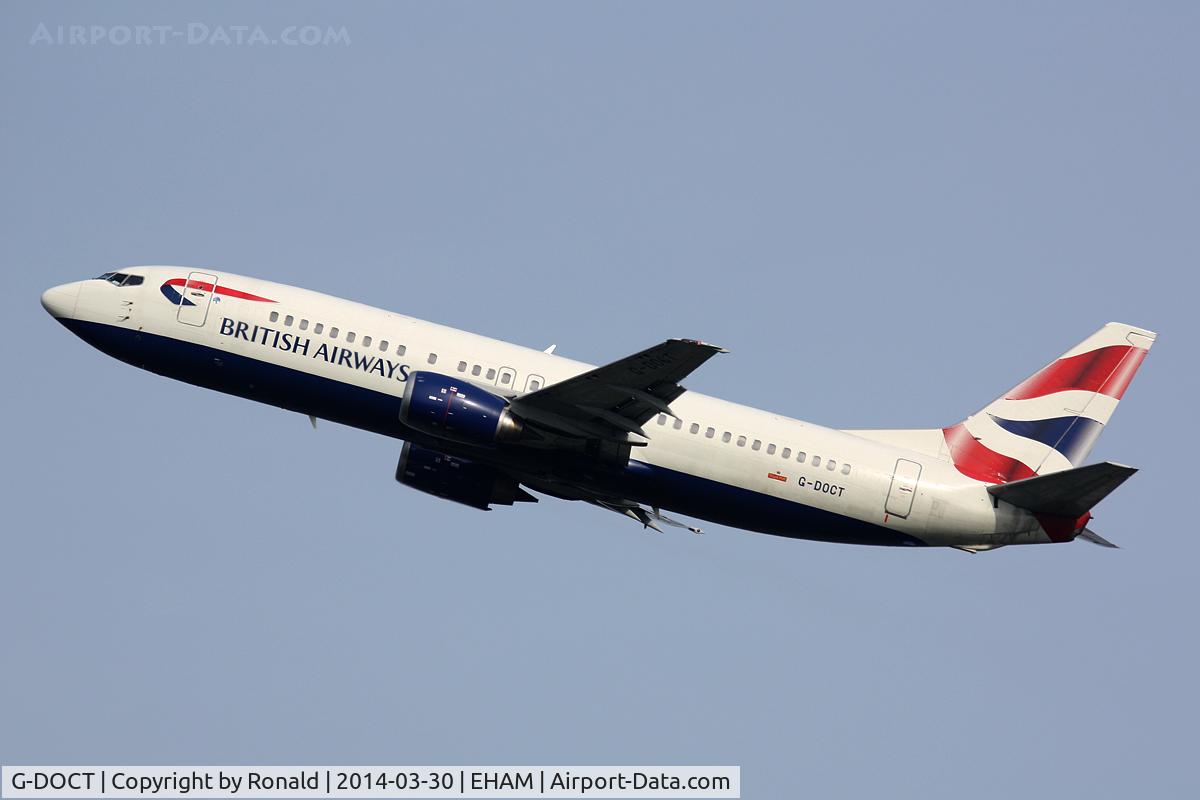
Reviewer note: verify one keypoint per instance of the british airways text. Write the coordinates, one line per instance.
(302, 345)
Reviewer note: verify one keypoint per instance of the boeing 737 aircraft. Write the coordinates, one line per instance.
(483, 421)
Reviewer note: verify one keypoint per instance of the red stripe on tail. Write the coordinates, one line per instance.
(1107, 370)
(974, 460)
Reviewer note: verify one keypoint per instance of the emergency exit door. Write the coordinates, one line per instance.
(197, 294)
(904, 488)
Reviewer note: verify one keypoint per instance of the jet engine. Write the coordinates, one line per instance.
(451, 408)
(458, 479)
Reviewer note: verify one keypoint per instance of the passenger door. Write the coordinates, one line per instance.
(903, 489)
(197, 294)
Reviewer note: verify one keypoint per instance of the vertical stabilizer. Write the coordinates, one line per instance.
(1050, 421)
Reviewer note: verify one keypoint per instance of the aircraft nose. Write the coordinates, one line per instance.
(60, 300)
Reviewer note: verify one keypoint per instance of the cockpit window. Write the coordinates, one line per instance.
(121, 279)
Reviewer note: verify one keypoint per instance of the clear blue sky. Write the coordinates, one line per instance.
(889, 213)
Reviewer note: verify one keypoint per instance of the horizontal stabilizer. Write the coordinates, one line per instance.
(1069, 493)
(1089, 535)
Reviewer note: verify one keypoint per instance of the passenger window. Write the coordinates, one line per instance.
(475, 370)
(505, 378)
(274, 316)
(741, 441)
(695, 428)
(303, 324)
(845, 469)
(726, 437)
(432, 358)
(383, 345)
(831, 465)
(350, 336)
(678, 424)
(333, 332)
(786, 453)
(400, 349)
(816, 462)
(662, 419)
(757, 444)
(462, 366)
(366, 341)
(771, 449)
(288, 320)
(491, 374)
(318, 328)
(708, 434)
(800, 457)
(534, 385)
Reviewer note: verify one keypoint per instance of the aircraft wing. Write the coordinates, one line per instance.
(614, 401)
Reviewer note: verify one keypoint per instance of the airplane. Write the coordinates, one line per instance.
(485, 422)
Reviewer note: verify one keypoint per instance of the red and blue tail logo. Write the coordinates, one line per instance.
(1051, 421)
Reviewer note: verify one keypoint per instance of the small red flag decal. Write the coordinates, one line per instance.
(775, 476)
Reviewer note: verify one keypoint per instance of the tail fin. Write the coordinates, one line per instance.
(1050, 421)
(1047, 423)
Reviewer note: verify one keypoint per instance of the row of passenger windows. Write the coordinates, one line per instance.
(491, 373)
(785, 453)
(333, 332)
(507, 376)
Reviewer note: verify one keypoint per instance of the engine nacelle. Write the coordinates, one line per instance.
(451, 408)
(458, 479)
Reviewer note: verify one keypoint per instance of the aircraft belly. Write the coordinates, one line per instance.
(739, 507)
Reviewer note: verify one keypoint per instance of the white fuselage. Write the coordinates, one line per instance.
(916, 495)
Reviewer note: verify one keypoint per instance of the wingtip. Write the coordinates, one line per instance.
(716, 348)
